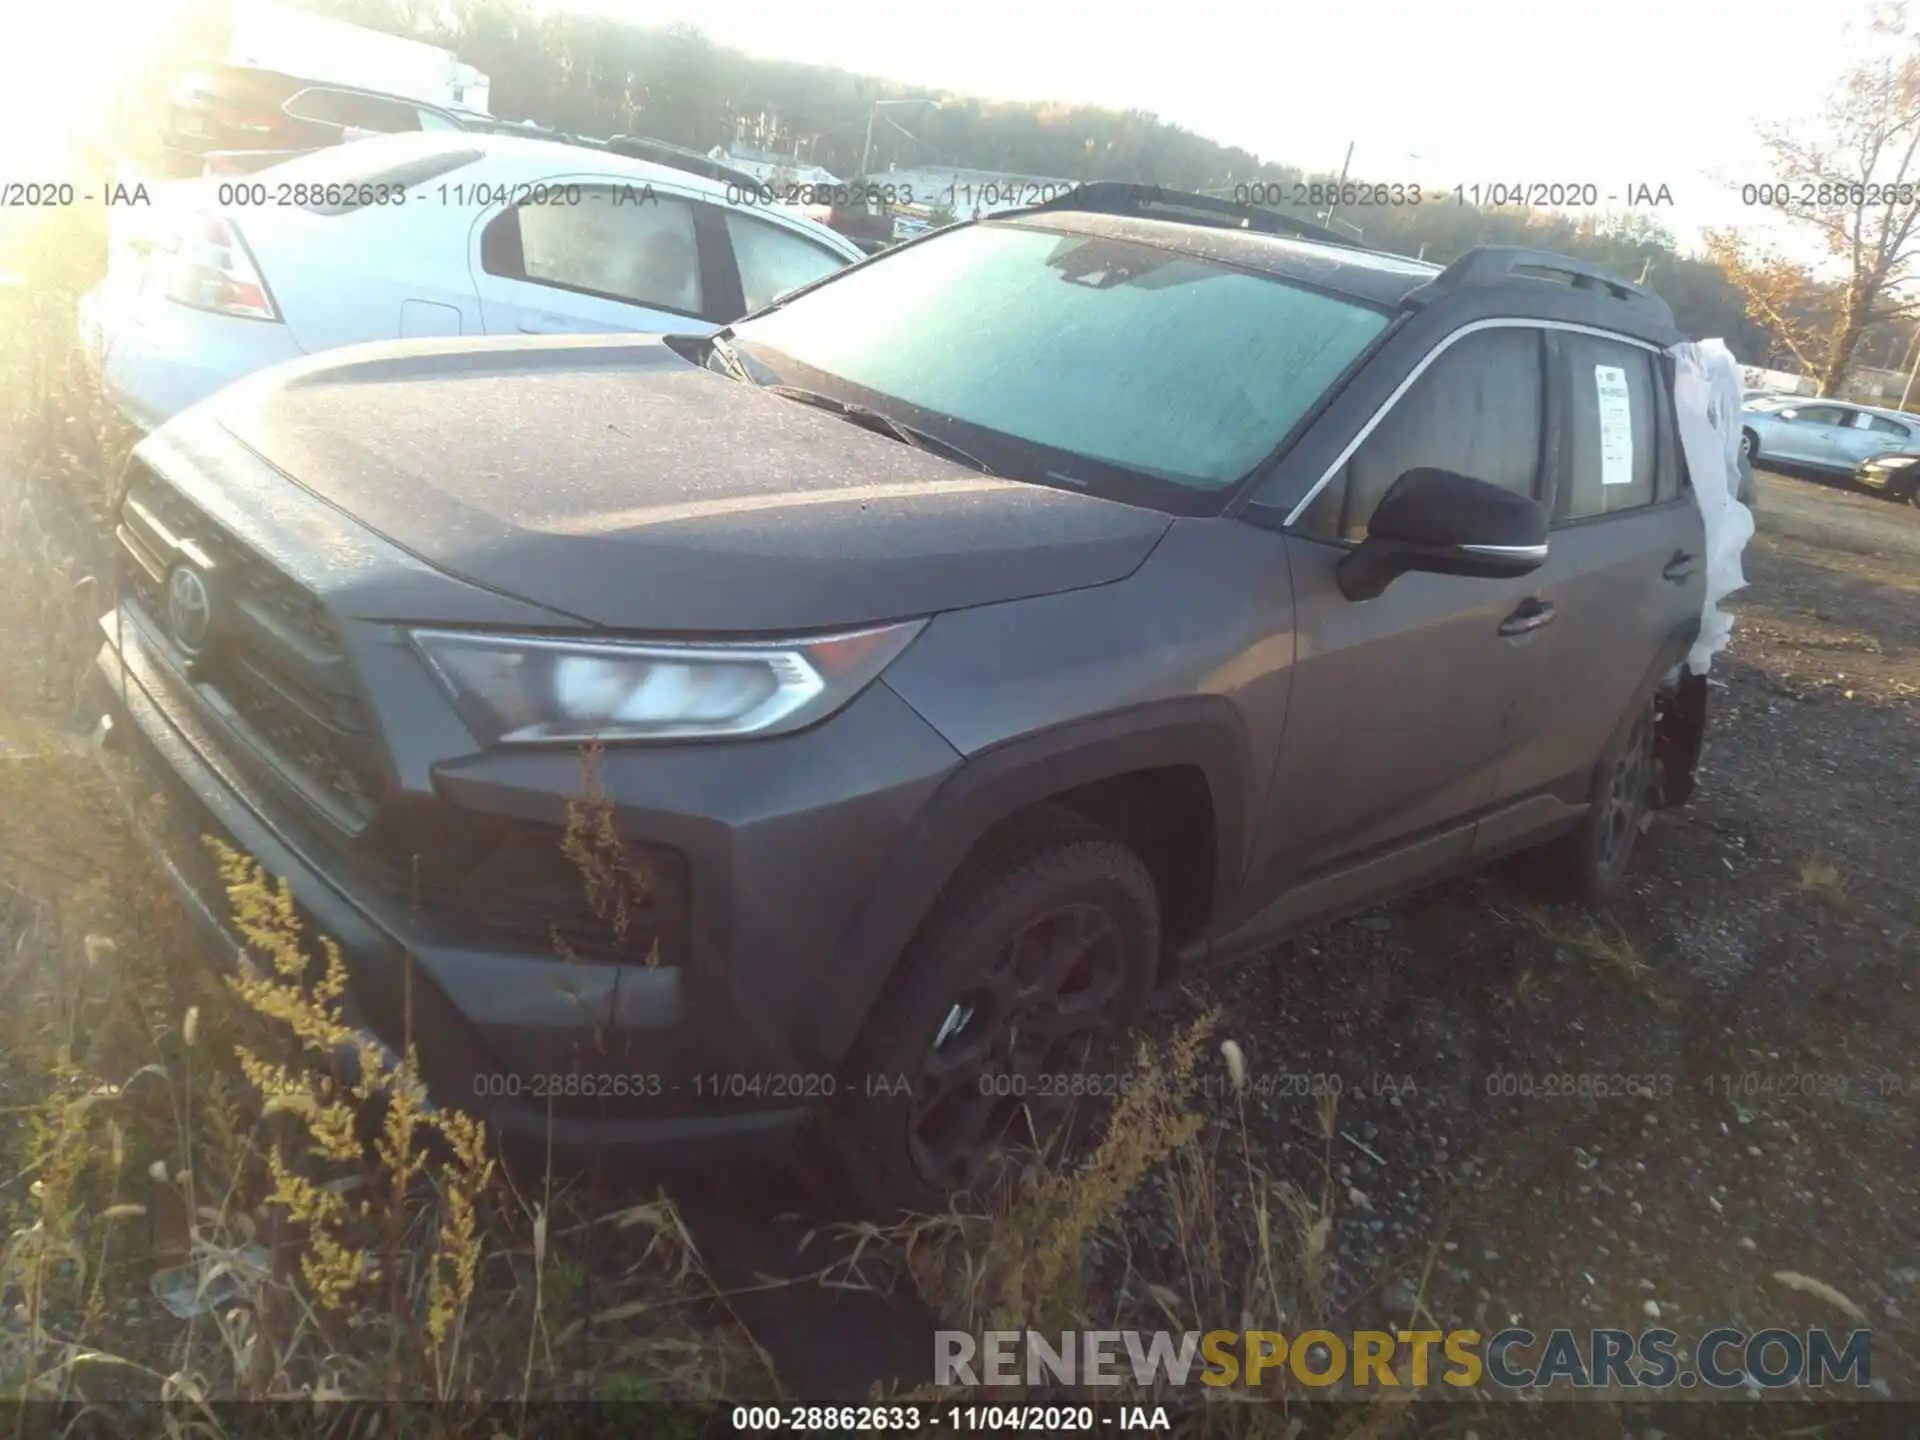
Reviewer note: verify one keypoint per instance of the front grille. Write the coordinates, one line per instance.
(273, 665)
(512, 881)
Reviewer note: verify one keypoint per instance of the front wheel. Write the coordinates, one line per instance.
(1036, 959)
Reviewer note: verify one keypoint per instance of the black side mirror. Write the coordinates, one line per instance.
(1447, 524)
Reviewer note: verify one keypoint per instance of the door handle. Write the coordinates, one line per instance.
(1531, 615)
(1679, 569)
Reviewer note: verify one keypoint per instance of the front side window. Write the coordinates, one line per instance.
(1820, 415)
(1057, 349)
(1476, 410)
(640, 251)
(774, 260)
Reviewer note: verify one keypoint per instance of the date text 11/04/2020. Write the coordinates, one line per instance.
(1496, 194)
(805, 1086)
(703, 1086)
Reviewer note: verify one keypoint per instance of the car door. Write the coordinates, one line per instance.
(1872, 435)
(1624, 576)
(1401, 705)
(582, 254)
(1811, 435)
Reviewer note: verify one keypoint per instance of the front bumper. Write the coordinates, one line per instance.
(1901, 480)
(593, 1057)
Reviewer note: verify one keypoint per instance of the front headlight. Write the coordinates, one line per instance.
(513, 689)
(1894, 462)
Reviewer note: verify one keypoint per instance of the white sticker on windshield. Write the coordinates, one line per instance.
(1616, 425)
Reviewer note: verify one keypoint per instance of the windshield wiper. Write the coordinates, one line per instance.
(884, 424)
(729, 357)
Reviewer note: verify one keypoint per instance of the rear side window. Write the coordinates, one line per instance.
(1882, 425)
(611, 244)
(774, 260)
(1611, 454)
(1477, 410)
(361, 112)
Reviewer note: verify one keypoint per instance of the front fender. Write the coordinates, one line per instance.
(1200, 731)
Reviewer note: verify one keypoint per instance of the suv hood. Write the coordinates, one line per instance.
(614, 481)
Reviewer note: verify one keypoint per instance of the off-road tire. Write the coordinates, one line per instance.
(1049, 860)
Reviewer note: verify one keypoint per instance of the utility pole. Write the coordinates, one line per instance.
(1906, 361)
(866, 150)
(1343, 180)
(1908, 390)
(1646, 269)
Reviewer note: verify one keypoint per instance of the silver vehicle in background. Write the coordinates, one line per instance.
(1828, 435)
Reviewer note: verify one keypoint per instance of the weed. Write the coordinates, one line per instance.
(1821, 878)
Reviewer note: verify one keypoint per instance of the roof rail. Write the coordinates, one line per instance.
(677, 157)
(1501, 264)
(1155, 202)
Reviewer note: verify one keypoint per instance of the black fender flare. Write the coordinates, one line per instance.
(1205, 732)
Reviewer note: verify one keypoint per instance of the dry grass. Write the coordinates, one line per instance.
(1607, 948)
(198, 1201)
(1821, 878)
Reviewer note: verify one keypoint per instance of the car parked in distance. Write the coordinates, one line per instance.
(231, 109)
(1833, 436)
(967, 643)
(405, 236)
(1895, 476)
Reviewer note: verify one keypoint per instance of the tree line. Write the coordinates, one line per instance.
(594, 75)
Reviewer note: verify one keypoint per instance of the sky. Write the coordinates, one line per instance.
(1633, 91)
(1629, 93)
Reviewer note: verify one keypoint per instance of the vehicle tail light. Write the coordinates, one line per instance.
(211, 269)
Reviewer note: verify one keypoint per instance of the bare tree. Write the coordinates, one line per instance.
(1851, 174)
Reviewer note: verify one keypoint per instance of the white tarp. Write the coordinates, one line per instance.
(1706, 395)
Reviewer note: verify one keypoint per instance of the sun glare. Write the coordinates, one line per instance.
(66, 71)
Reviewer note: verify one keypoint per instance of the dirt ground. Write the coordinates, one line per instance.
(1487, 1166)
(1758, 979)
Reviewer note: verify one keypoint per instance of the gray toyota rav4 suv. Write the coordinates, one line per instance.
(957, 648)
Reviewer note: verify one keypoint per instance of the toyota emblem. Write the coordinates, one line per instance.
(189, 609)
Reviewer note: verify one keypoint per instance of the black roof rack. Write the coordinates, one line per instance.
(1502, 264)
(1156, 202)
(678, 157)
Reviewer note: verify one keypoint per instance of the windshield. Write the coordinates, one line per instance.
(1123, 354)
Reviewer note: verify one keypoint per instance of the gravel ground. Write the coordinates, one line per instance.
(1765, 995)
(1835, 514)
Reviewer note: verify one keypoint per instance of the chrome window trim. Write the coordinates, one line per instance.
(1521, 552)
(1471, 328)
